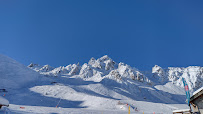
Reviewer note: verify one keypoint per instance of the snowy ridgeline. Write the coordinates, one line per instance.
(105, 67)
(192, 74)
(95, 70)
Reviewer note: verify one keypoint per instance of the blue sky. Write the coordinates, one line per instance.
(141, 33)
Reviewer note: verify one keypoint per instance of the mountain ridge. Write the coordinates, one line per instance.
(99, 84)
(105, 67)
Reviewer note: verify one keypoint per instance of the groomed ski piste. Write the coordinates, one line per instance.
(88, 90)
(84, 98)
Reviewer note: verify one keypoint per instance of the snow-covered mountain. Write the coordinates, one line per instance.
(192, 74)
(95, 70)
(15, 75)
(109, 85)
(99, 86)
(105, 67)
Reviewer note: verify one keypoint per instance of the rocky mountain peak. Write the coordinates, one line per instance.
(46, 68)
(92, 61)
(104, 58)
(33, 65)
(157, 69)
(105, 67)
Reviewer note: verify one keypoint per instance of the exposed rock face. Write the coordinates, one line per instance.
(192, 74)
(95, 69)
(105, 67)
(39, 68)
(86, 71)
(159, 74)
(75, 69)
(115, 74)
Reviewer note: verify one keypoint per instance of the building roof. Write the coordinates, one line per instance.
(197, 94)
(181, 110)
(197, 91)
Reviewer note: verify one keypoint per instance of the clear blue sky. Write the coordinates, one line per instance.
(141, 33)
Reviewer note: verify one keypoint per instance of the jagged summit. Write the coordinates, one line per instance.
(95, 69)
(104, 58)
(156, 69)
(32, 65)
(192, 74)
(105, 67)
(40, 68)
(104, 62)
(159, 74)
(92, 61)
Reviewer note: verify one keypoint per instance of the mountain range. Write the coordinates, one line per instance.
(105, 67)
(99, 86)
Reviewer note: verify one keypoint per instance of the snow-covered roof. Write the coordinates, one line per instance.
(4, 101)
(197, 91)
(181, 110)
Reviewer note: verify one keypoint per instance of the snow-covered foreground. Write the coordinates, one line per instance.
(165, 109)
(99, 87)
(75, 96)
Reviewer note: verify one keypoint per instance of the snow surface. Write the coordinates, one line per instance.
(15, 75)
(182, 110)
(4, 101)
(99, 86)
(192, 74)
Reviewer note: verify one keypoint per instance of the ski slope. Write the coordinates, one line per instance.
(79, 96)
(101, 86)
(15, 75)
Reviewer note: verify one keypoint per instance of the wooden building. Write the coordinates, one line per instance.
(196, 101)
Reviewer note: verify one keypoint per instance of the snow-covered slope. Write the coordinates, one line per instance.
(192, 74)
(99, 86)
(15, 75)
(4, 101)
